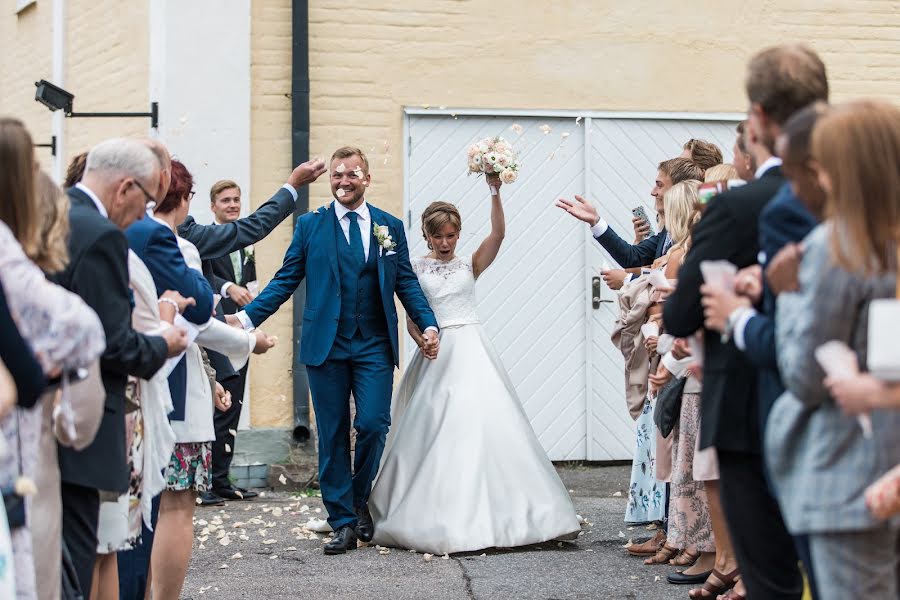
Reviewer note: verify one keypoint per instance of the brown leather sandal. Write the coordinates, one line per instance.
(712, 590)
(733, 595)
(663, 556)
(687, 558)
(648, 547)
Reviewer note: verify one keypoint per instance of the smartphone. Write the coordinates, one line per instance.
(640, 213)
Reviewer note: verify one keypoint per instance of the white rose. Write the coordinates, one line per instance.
(387, 243)
(384, 231)
(508, 176)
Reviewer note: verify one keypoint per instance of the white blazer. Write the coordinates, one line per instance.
(234, 343)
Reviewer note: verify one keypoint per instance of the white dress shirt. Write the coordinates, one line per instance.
(770, 163)
(364, 219)
(93, 197)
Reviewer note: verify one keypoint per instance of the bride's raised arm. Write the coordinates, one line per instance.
(489, 248)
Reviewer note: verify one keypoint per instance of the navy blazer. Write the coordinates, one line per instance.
(98, 272)
(156, 245)
(313, 255)
(217, 240)
(630, 256)
(728, 230)
(785, 219)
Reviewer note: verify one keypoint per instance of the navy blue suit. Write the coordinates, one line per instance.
(785, 219)
(349, 342)
(630, 256)
(156, 245)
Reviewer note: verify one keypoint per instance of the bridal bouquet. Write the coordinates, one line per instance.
(494, 155)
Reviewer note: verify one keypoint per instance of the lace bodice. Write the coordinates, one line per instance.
(450, 289)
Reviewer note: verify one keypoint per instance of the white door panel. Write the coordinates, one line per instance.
(535, 300)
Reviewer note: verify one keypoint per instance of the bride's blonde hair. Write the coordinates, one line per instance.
(436, 216)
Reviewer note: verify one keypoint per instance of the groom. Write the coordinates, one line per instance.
(354, 257)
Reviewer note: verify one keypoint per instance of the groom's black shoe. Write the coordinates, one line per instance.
(344, 539)
(365, 527)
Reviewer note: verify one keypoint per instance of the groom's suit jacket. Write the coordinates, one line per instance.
(313, 255)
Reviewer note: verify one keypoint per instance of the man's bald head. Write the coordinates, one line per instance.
(165, 166)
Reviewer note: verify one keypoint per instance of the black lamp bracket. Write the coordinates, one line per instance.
(153, 114)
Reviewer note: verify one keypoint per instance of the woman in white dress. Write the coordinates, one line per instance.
(462, 469)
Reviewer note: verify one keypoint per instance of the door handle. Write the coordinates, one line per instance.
(596, 292)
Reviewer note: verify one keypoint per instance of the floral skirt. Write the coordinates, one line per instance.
(689, 521)
(190, 467)
(119, 527)
(647, 495)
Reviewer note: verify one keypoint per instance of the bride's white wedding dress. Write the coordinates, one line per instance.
(462, 469)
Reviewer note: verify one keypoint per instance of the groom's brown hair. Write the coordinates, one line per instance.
(347, 152)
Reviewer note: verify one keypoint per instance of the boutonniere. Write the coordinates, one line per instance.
(383, 235)
(323, 209)
(249, 256)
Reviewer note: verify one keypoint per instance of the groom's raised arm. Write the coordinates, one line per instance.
(286, 280)
(407, 287)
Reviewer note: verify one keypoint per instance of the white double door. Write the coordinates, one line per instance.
(537, 301)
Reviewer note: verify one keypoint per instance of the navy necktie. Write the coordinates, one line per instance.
(356, 243)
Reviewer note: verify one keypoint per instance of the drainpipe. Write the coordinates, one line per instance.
(299, 154)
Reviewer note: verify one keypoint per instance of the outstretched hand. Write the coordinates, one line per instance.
(306, 173)
(580, 209)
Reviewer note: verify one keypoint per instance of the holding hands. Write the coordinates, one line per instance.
(430, 345)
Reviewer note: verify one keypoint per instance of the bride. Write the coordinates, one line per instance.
(462, 468)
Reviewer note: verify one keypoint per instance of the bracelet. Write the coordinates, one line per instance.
(169, 301)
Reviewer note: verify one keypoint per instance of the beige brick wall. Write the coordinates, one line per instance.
(107, 68)
(25, 57)
(270, 134)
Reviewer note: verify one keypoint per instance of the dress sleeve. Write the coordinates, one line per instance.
(416, 264)
(63, 331)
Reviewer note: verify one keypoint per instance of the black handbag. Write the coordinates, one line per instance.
(12, 501)
(668, 405)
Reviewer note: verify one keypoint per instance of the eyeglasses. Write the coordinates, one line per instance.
(190, 195)
(150, 200)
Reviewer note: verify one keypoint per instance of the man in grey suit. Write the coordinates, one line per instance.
(820, 459)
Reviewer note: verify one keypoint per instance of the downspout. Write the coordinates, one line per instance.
(299, 154)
